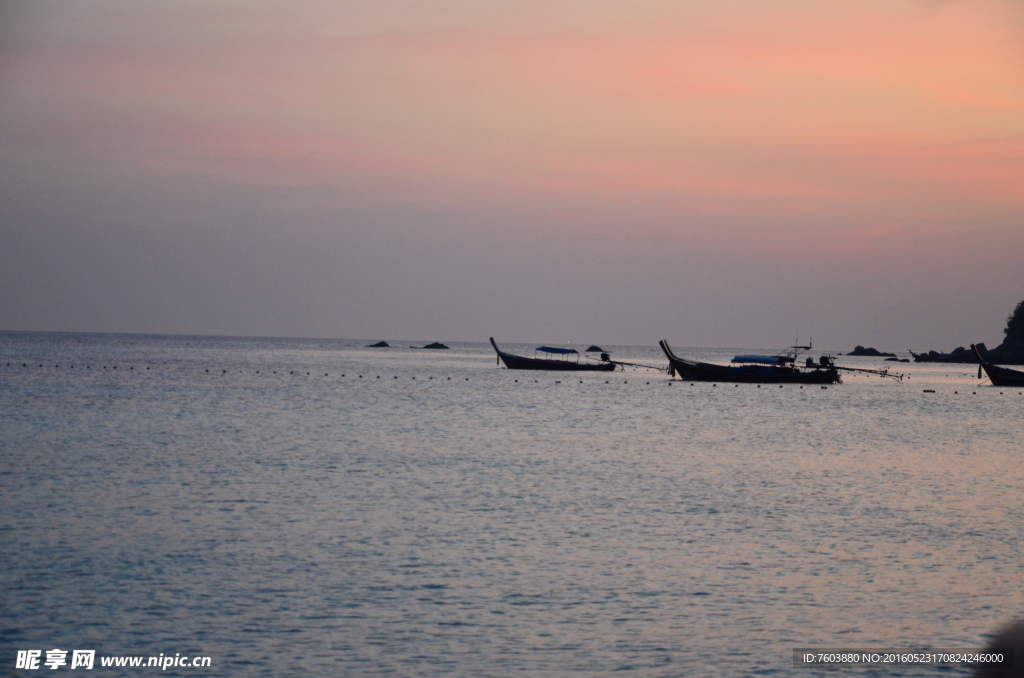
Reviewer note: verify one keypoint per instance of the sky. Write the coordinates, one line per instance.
(710, 172)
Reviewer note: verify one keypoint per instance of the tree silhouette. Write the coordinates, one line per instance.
(1015, 325)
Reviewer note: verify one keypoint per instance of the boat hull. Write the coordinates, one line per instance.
(999, 376)
(690, 370)
(516, 362)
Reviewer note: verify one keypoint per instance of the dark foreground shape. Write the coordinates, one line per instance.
(515, 362)
(1000, 376)
(1009, 638)
(379, 344)
(786, 373)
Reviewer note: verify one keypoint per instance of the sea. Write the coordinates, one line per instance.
(313, 507)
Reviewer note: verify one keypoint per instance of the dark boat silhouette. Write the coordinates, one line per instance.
(999, 376)
(780, 369)
(516, 362)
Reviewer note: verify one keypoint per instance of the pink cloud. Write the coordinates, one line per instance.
(793, 111)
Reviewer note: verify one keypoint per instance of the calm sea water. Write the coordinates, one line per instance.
(307, 507)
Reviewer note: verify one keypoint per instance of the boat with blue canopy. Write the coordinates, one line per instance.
(756, 369)
(766, 369)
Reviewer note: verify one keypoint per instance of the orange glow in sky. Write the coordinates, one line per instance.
(835, 125)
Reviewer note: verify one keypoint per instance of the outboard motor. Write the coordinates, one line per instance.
(605, 357)
(825, 361)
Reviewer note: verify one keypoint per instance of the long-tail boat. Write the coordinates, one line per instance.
(779, 369)
(565, 363)
(999, 376)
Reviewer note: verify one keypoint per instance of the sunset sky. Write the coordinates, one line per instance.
(715, 173)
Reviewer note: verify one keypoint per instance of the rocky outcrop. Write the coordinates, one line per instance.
(1010, 352)
(1006, 353)
(436, 344)
(870, 352)
(594, 349)
(957, 355)
(379, 344)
